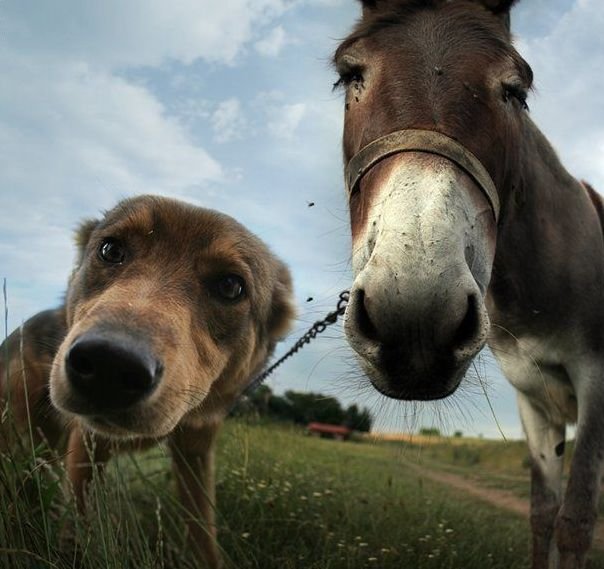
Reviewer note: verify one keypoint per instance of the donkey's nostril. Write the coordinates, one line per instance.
(363, 319)
(468, 328)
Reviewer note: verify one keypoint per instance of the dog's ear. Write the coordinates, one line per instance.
(282, 311)
(82, 237)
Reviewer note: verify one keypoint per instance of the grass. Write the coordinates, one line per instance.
(504, 465)
(284, 501)
(355, 505)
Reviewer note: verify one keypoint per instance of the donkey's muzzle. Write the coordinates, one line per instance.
(420, 349)
(111, 371)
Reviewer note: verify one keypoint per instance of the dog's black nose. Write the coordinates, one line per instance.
(111, 371)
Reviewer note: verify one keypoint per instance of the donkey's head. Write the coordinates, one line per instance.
(435, 98)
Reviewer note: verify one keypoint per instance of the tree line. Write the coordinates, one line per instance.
(304, 408)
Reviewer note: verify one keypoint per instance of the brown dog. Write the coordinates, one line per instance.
(169, 312)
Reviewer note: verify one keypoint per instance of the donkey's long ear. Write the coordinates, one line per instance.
(369, 6)
(500, 8)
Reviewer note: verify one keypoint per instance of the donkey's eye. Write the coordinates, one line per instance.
(229, 287)
(112, 251)
(348, 76)
(516, 92)
(350, 69)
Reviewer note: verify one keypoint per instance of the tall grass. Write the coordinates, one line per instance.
(133, 518)
(285, 501)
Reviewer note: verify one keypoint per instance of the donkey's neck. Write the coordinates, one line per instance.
(549, 244)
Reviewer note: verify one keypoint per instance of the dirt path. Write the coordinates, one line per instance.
(500, 498)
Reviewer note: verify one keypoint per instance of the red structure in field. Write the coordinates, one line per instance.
(326, 430)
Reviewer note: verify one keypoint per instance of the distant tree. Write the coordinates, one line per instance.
(429, 432)
(359, 420)
(365, 421)
(303, 408)
(308, 407)
(458, 434)
(279, 408)
(261, 399)
(351, 416)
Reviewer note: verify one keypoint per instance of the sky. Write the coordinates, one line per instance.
(229, 105)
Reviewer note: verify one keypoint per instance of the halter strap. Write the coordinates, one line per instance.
(427, 141)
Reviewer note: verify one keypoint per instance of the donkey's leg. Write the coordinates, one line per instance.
(546, 445)
(577, 517)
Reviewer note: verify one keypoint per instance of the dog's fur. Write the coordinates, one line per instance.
(162, 299)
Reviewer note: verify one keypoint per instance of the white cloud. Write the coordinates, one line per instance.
(190, 110)
(138, 32)
(272, 44)
(326, 2)
(285, 120)
(567, 58)
(65, 120)
(228, 121)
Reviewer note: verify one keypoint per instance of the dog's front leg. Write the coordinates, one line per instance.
(84, 453)
(193, 460)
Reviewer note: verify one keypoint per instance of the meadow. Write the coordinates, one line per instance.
(285, 500)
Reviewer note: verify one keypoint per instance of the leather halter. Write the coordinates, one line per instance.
(426, 141)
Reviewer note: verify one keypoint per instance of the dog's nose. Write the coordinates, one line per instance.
(111, 371)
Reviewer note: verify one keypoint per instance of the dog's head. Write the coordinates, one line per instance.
(171, 309)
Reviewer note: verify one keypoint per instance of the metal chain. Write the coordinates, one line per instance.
(318, 327)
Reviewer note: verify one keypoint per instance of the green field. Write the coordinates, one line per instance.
(285, 501)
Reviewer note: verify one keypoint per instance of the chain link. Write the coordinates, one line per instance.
(317, 328)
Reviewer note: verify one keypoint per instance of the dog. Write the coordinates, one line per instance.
(170, 311)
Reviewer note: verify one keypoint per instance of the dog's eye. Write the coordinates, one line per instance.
(112, 251)
(230, 287)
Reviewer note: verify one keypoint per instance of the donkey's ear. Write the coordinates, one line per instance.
(499, 6)
(369, 6)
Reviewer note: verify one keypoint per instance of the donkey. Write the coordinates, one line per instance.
(466, 229)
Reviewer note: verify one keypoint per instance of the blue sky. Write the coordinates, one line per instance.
(229, 105)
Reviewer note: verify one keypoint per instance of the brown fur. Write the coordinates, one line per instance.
(162, 294)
